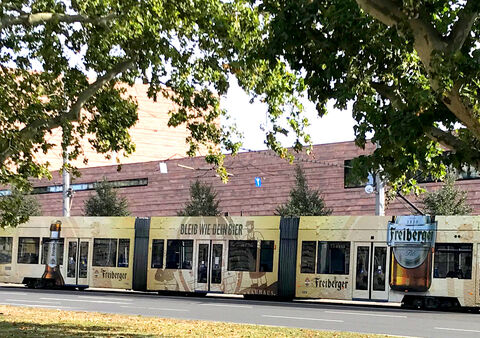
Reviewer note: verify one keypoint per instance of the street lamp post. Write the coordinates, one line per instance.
(379, 190)
(66, 185)
(379, 196)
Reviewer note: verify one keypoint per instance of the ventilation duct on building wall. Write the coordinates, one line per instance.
(163, 167)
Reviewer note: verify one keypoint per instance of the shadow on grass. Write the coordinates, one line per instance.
(25, 329)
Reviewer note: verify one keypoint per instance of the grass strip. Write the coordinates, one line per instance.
(18, 321)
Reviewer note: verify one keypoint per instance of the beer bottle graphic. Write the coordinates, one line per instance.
(52, 272)
(412, 239)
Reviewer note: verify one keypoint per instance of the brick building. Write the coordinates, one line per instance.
(151, 192)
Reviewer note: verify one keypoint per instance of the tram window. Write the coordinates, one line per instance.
(266, 256)
(123, 252)
(83, 261)
(45, 242)
(179, 254)
(333, 258)
(307, 264)
(242, 255)
(104, 252)
(157, 253)
(6, 250)
(28, 250)
(453, 260)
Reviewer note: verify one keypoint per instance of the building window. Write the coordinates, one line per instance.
(157, 253)
(123, 252)
(333, 258)
(128, 183)
(266, 256)
(137, 182)
(468, 172)
(6, 250)
(28, 250)
(45, 242)
(242, 255)
(453, 260)
(179, 254)
(104, 252)
(307, 263)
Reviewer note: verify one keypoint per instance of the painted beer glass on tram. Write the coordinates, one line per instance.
(412, 239)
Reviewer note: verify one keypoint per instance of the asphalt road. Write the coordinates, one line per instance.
(320, 316)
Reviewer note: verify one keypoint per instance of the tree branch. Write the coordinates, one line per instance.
(463, 26)
(74, 113)
(13, 7)
(426, 40)
(389, 93)
(451, 142)
(446, 139)
(94, 87)
(455, 104)
(40, 18)
(385, 11)
(426, 37)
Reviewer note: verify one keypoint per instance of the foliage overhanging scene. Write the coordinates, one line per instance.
(410, 69)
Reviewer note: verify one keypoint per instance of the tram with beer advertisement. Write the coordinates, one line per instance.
(420, 261)
(225, 255)
(73, 252)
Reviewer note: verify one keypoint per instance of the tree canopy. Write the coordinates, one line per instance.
(411, 69)
(203, 201)
(303, 201)
(448, 200)
(61, 61)
(105, 201)
(18, 207)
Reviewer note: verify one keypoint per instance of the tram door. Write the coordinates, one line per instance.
(76, 265)
(477, 281)
(210, 265)
(370, 271)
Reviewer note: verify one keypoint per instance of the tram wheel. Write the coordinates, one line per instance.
(39, 284)
(431, 303)
(418, 303)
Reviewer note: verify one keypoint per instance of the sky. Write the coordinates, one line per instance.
(336, 126)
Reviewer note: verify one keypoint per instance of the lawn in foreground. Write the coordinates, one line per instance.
(36, 322)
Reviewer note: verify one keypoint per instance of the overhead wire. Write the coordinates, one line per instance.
(273, 154)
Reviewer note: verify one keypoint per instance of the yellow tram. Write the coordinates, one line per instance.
(418, 260)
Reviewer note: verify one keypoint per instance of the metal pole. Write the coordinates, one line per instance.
(379, 192)
(66, 185)
(379, 196)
